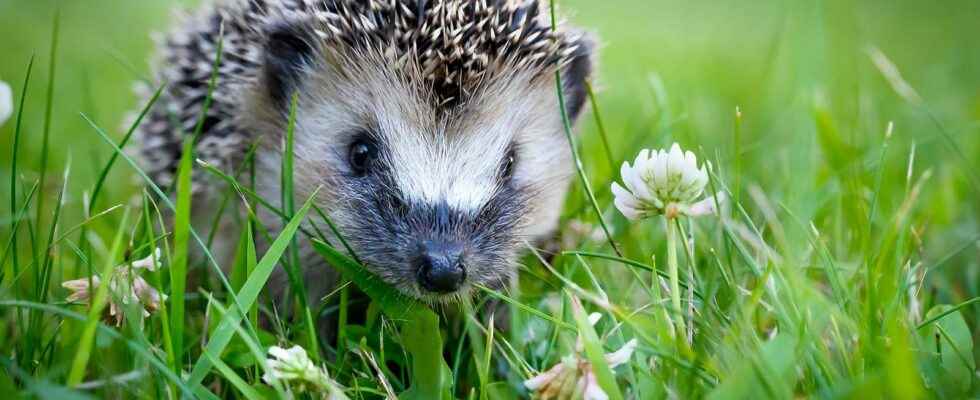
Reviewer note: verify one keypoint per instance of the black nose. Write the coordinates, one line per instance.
(440, 267)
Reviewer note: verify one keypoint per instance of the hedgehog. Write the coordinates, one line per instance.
(431, 130)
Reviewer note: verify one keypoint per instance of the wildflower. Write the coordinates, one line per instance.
(6, 102)
(662, 182)
(126, 286)
(574, 377)
(293, 365)
(667, 183)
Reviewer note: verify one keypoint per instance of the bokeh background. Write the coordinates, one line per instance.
(814, 106)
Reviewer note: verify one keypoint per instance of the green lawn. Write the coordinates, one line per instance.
(848, 266)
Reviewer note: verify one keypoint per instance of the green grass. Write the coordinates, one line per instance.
(848, 265)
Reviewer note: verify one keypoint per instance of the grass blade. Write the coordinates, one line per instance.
(178, 267)
(249, 293)
(628, 262)
(98, 303)
(947, 312)
(594, 352)
(104, 172)
(48, 109)
(14, 150)
(292, 254)
(567, 124)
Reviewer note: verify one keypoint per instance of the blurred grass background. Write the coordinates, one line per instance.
(814, 106)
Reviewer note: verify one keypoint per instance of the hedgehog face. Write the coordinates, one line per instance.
(437, 184)
(433, 200)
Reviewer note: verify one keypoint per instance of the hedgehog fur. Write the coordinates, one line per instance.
(455, 44)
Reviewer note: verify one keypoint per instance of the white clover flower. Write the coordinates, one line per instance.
(295, 366)
(6, 102)
(126, 286)
(662, 182)
(573, 377)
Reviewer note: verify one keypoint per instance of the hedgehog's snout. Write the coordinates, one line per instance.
(440, 266)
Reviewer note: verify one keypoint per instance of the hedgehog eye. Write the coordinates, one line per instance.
(361, 154)
(508, 167)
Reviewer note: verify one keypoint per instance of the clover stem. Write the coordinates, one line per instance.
(658, 297)
(675, 291)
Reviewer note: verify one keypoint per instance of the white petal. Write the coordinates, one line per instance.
(594, 318)
(688, 178)
(646, 168)
(143, 290)
(619, 191)
(676, 160)
(688, 194)
(698, 181)
(297, 353)
(150, 262)
(626, 171)
(634, 182)
(622, 355)
(707, 205)
(590, 388)
(691, 159)
(279, 353)
(702, 177)
(6, 102)
(79, 284)
(660, 171)
(80, 289)
(625, 201)
(628, 211)
(641, 159)
(544, 378)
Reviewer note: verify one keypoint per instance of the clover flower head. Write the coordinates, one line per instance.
(6, 102)
(293, 365)
(126, 286)
(574, 377)
(662, 182)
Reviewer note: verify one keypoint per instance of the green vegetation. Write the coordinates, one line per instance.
(845, 133)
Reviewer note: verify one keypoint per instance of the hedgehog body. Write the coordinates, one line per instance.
(431, 128)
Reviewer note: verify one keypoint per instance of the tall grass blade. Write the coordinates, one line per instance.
(292, 255)
(48, 110)
(248, 294)
(594, 351)
(104, 172)
(600, 126)
(96, 307)
(579, 168)
(14, 151)
(178, 267)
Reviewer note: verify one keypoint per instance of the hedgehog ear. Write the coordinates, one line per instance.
(288, 50)
(576, 74)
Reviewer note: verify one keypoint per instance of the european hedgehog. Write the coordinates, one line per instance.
(432, 127)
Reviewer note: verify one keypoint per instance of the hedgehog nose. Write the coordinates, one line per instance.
(440, 267)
